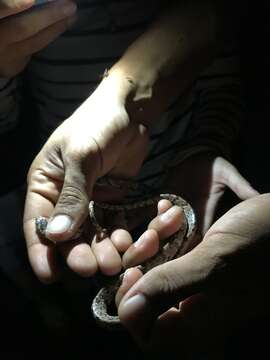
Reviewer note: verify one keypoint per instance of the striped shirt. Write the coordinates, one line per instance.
(65, 73)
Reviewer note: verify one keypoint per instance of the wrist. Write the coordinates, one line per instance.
(126, 88)
(135, 77)
(116, 85)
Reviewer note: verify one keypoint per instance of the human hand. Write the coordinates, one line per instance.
(219, 267)
(202, 180)
(23, 33)
(88, 145)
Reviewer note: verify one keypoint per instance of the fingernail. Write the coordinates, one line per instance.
(140, 241)
(168, 214)
(133, 305)
(164, 205)
(126, 276)
(59, 224)
(69, 8)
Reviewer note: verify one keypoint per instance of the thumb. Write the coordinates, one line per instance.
(236, 182)
(163, 287)
(71, 208)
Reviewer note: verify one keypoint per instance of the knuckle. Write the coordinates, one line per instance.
(164, 282)
(30, 175)
(75, 155)
(72, 196)
(217, 256)
(83, 155)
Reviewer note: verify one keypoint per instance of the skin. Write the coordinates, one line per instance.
(63, 185)
(62, 176)
(212, 300)
(23, 33)
(210, 176)
(52, 177)
(214, 286)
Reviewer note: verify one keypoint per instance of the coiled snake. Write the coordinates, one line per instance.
(171, 249)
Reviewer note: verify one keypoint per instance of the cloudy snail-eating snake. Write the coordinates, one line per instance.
(169, 250)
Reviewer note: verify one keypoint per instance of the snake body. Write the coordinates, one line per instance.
(168, 251)
(171, 249)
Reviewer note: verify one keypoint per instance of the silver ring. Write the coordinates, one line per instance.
(42, 223)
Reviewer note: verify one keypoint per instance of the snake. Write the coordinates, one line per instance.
(170, 249)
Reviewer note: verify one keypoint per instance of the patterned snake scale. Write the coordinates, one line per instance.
(169, 250)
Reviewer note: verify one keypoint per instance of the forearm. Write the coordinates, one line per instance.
(165, 60)
(184, 29)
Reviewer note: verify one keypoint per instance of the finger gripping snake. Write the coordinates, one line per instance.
(171, 249)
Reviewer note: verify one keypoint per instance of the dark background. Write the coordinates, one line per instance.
(23, 332)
